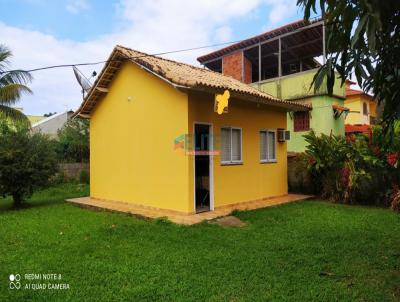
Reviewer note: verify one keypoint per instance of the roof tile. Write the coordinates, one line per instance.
(185, 76)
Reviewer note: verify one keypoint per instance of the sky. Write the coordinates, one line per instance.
(52, 32)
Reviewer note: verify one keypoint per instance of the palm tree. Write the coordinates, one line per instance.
(12, 86)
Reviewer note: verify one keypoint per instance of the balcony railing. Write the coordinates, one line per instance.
(297, 85)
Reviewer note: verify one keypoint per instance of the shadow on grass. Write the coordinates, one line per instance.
(47, 197)
(8, 205)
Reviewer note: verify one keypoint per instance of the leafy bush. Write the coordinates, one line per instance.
(84, 177)
(301, 181)
(395, 199)
(58, 178)
(73, 141)
(27, 161)
(356, 169)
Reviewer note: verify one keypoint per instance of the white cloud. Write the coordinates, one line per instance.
(280, 9)
(151, 26)
(77, 6)
(223, 34)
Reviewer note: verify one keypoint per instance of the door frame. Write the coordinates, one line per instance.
(211, 163)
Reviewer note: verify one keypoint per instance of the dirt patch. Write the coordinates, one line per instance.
(228, 221)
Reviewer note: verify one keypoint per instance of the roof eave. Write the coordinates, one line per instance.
(95, 84)
(287, 105)
(261, 39)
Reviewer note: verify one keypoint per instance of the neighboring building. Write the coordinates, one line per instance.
(50, 125)
(363, 107)
(282, 62)
(32, 118)
(148, 114)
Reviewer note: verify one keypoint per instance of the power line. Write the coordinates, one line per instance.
(141, 56)
(128, 58)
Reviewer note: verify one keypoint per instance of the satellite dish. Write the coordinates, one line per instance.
(82, 80)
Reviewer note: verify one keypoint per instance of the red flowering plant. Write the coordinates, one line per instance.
(392, 159)
(326, 156)
(390, 144)
(351, 170)
(395, 198)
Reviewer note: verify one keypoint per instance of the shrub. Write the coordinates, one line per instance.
(84, 177)
(395, 199)
(73, 141)
(302, 181)
(356, 169)
(27, 161)
(58, 178)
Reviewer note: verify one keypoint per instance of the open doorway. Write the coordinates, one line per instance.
(202, 167)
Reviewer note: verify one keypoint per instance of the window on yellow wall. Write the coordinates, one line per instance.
(267, 146)
(231, 145)
(365, 108)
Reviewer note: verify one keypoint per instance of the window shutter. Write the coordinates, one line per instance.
(306, 121)
(263, 145)
(271, 145)
(301, 121)
(225, 144)
(236, 145)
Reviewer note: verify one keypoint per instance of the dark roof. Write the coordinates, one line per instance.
(288, 28)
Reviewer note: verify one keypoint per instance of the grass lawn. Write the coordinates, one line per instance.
(296, 252)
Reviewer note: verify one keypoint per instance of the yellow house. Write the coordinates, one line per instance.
(157, 139)
(362, 107)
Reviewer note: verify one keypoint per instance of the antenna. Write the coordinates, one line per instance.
(83, 81)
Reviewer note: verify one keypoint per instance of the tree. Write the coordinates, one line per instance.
(27, 161)
(73, 140)
(49, 114)
(362, 37)
(12, 86)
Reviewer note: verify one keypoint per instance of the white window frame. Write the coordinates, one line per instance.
(268, 160)
(233, 162)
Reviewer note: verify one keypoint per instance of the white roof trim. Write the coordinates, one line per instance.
(50, 118)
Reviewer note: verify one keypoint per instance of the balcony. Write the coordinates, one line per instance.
(297, 85)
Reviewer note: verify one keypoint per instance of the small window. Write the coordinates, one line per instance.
(365, 109)
(231, 145)
(267, 146)
(301, 121)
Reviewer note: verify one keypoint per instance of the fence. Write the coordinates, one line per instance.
(73, 170)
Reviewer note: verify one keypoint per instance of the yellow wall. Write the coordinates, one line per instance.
(297, 85)
(132, 156)
(252, 180)
(373, 109)
(355, 104)
(132, 145)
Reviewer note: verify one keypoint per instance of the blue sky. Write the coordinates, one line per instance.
(60, 18)
(48, 32)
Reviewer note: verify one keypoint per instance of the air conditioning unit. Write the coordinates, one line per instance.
(283, 135)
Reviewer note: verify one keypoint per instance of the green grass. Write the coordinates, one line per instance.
(296, 252)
